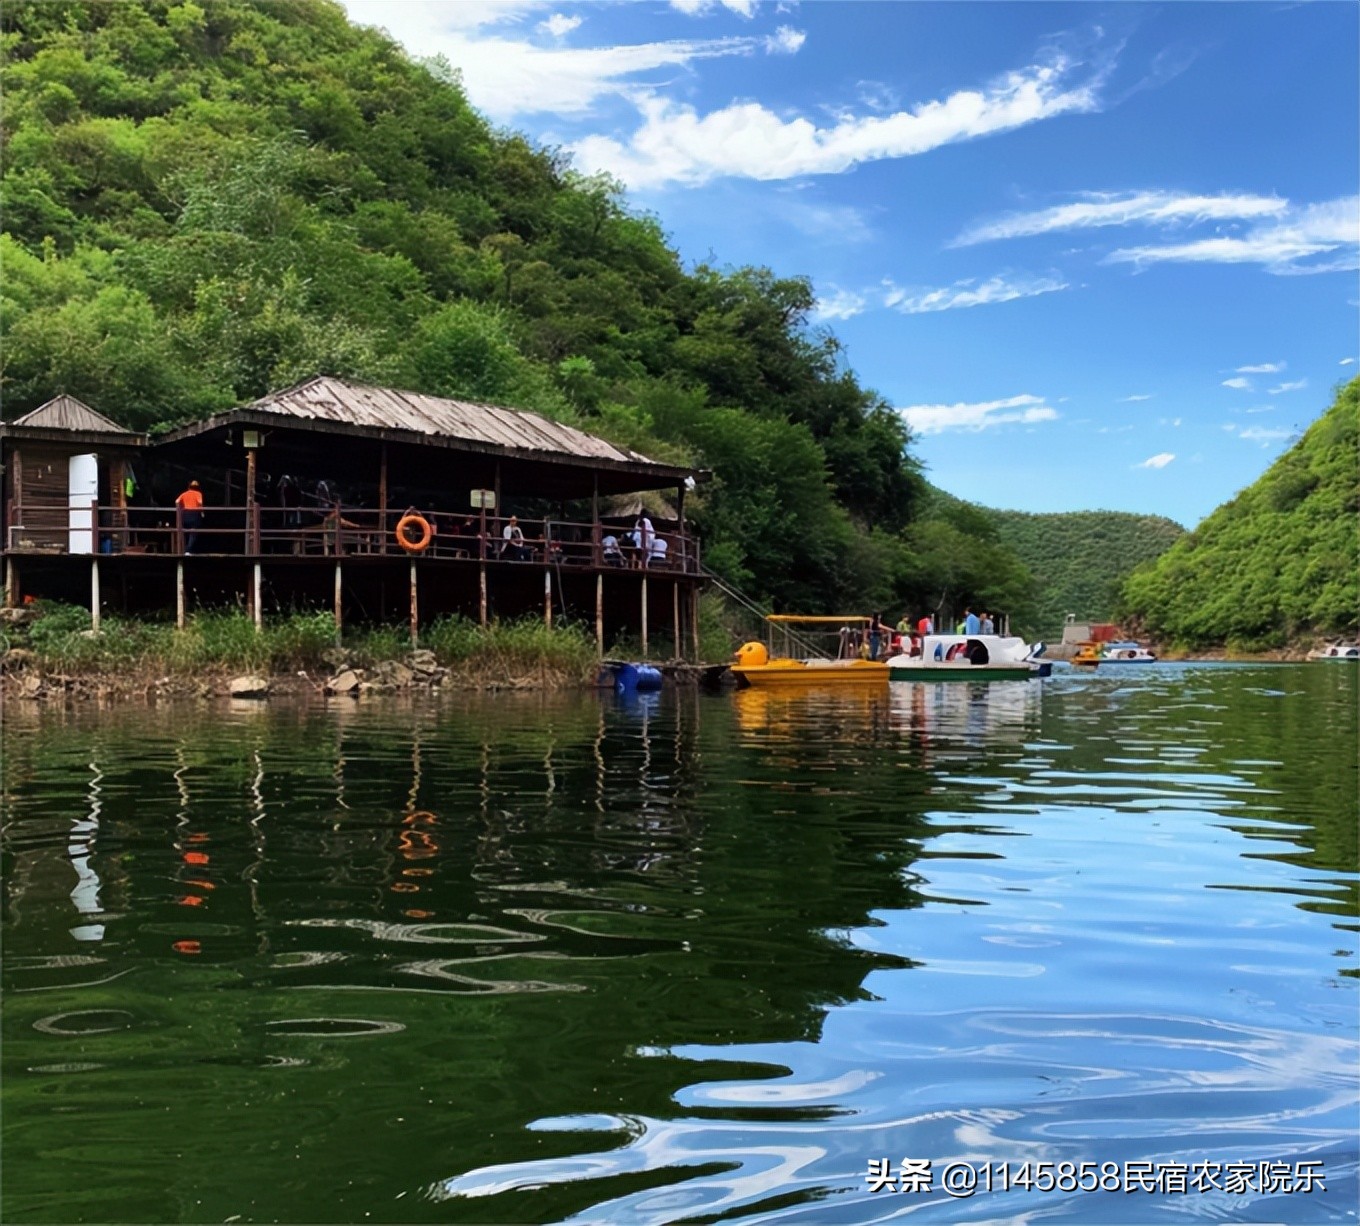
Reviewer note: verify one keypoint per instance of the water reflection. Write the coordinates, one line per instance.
(678, 957)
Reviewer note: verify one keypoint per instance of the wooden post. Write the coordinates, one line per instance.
(382, 505)
(179, 595)
(256, 605)
(644, 616)
(415, 606)
(11, 584)
(547, 597)
(481, 594)
(120, 501)
(252, 508)
(599, 615)
(340, 602)
(595, 557)
(94, 526)
(675, 601)
(694, 622)
(94, 593)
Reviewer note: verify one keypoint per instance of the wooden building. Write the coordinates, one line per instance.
(377, 503)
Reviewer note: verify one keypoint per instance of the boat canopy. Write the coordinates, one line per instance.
(796, 619)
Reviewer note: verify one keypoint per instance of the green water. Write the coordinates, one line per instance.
(681, 959)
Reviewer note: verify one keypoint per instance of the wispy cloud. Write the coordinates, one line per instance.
(508, 76)
(937, 418)
(1161, 460)
(785, 41)
(1295, 386)
(1263, 434)
(1238, 384)
(1282, 246)
(969, 293)
(1347, 361)
(1260, 408)
(675, 144)
(1136, 399)
(693, 8)
(1095, 209)
(840, 304)
(559, 24)
(1265, 368)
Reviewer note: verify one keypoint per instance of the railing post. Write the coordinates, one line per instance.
(94, 527)
(179, 529)
(337, 527)
(255, 528)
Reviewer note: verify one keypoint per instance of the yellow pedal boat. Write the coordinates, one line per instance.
(755, 665)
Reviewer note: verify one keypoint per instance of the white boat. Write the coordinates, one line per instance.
(1126, 653)
(1336, 651)
(970, 657)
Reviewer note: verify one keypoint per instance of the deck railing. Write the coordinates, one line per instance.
(341, 531)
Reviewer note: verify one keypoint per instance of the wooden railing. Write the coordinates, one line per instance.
(340, 531)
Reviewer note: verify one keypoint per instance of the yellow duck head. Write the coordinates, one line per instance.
(752, 655)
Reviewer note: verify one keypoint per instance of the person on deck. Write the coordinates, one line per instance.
(971, 624)
(513, 546)
(190, 504)
(656, 556)
(925, 626)
(988, 625)
(613, 555)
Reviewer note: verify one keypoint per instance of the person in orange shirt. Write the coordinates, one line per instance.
(190, 504)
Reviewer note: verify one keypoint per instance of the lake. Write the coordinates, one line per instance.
(1084, 950)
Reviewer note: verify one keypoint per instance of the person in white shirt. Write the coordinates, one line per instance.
(613, 555)
(513, 541)
(643, 535)
(657, 556)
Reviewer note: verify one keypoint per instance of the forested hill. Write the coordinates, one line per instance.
(1070, 562)
(206, 200)
(1081, 559)
(1278, 564)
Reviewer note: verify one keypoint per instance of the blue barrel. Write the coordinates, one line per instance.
(648, 678)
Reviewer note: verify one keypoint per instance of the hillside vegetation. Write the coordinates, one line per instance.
(1080, 560)
(204, 201)
(1277, 564)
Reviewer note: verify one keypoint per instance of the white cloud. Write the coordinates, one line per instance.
(1121, 209)
(507, 77)
(692, 8)
(1135, 399)
(1347, 361)
(1261, 434)
(937, 418)
(785, 41)
(1297, 385)
(675, 144)
(1265, 368)
(841, 304)
(559, 24)
(1160, 460)
(1260, 408)
(1279, 246)
(1230, 427)
(1169, 421)
(969, 294)
(1238, 384)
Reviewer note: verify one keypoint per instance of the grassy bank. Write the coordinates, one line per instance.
(130, 655)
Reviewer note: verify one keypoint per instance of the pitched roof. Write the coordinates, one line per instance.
(67, 413)
(326, 399)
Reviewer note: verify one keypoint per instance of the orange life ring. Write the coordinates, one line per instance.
(416, 521)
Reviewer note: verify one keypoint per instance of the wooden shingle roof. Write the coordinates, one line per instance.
(67, 413)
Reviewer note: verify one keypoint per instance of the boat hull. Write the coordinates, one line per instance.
(964, 672)
(792, 673)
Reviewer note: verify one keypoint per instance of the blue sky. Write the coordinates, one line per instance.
(1099, 256)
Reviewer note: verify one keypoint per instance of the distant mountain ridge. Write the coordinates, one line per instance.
(1077, 560)
(1277, 564)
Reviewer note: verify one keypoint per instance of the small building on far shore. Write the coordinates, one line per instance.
(378, 503)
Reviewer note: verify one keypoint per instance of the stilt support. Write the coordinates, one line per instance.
(11, 584)
(547, 598)
(481, 593)
(94, 595)
(599, 616)
(179, 595)
(256, 589)
(339, 604)
(675, 603)
(694, 622)
(645, 654)
(415, 606)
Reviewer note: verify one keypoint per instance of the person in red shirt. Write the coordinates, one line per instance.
(190, 504)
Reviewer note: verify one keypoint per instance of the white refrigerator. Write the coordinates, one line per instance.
(83, 489)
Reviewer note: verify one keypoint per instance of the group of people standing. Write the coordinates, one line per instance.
(879, 640)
